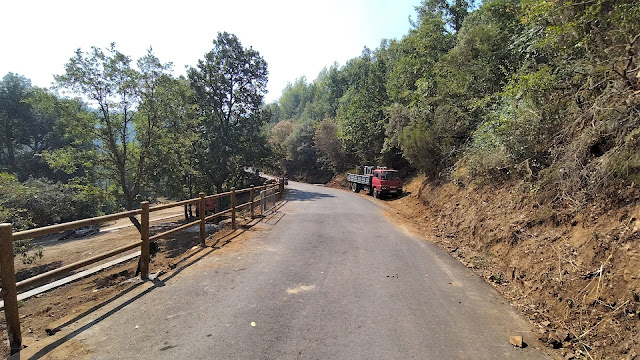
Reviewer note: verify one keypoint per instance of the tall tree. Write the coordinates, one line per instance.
(123, 135)
(330, 145)
(360, 112)
(452, 11)
(173, 161)
(229, 85)
(15, 114)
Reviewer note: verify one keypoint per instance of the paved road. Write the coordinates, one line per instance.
(331, 279)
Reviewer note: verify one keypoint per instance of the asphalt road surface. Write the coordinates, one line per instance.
(330, 279)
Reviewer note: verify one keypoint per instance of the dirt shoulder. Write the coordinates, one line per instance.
(575, 279)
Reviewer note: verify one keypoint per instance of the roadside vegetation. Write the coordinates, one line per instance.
(506, 90)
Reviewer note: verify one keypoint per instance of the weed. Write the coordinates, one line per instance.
(481, 262)
(497, 278)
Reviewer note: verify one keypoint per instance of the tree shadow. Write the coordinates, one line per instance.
(112, 280)
(301, 195)
(26, 273)
(174, 245)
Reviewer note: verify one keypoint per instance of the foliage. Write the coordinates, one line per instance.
(229, 85)
(173, 160)
(122, 135)
(40, 202)
(15, 117)
(29, 120)
(453, 13)
(360, 113)
(28, 252)
(413, 59)
(420, 148)
(330, 145)
(13, 196)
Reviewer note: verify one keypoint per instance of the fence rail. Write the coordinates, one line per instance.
(267, 200)
(10, 287)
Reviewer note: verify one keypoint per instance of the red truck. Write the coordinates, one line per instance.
(377, 181)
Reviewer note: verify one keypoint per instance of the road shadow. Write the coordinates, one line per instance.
(273, 219)
(301, 195)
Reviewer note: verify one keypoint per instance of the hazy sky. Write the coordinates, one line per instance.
(296, 37)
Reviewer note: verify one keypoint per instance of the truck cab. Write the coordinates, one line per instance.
(385, 182)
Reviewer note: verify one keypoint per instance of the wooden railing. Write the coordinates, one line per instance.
(10, 287)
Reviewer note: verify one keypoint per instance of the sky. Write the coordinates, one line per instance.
(296, 37)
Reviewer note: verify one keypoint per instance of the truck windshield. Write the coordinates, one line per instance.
(390, 175)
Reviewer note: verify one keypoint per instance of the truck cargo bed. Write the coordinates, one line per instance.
(359, 179)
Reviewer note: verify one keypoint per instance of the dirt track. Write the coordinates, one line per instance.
(57, 253)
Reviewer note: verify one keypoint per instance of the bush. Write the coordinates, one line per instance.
(421, 149)
(13, 197)
(40, 202)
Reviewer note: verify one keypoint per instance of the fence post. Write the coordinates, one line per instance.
(203, 209)
(281, 189)
(252, 197)
(233, 208)
(9, 291)
(145, 256)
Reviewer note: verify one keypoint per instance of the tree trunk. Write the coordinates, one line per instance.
(219, 186)
(11, 157)
(135, 222)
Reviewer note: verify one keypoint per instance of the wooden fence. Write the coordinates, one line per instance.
(10, 287)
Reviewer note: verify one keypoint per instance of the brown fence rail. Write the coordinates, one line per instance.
(10, 288)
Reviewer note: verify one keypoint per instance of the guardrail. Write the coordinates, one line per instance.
(10, 287)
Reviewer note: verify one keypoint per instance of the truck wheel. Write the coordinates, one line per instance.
(376, 194)
(354, 187)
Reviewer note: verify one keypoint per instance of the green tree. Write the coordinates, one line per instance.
(126, 124)
(411, 79)
(360, 114)
(330, 145)
(15, 115)
(295, 98)
(302, 155)
(229, 85)
(47, 135)
(173, 160)
(30, 119)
